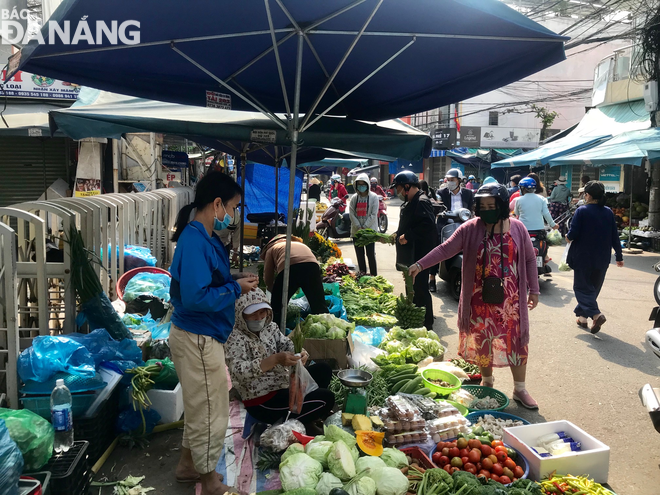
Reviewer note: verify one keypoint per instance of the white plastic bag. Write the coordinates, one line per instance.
(278, 437)
(301, 383)
(563, 266)
(362, 354)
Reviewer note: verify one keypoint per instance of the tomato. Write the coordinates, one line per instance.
(457, 462)
(468, 465)
(497, 443)
(487, 464)
(507, 472)
(485, 450)
(464, 452)
(453, 452)
(448, 468)
(462, 443)
(452, 444)
(436, 457)
(518, 472)
(497, 469)
(440, 446)
(479, 468)
(471, 470)
(474, 455)
(465, 460)
(443, 460)
(474, 444)
(445, 451)
(495, 477)
(501, 456)
(505, 480)
(454, 469)
(501, 449)
(493, 458)
(510, 464)
(484, 473)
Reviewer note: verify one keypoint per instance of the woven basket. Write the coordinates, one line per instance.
(474, 416)
(481, 392)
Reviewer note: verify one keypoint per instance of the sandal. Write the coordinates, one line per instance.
(582, 324)
(525, 399)
(598, 322)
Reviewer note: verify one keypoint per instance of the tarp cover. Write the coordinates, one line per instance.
(260, 189)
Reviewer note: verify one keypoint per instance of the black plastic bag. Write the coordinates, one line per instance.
(101, 314)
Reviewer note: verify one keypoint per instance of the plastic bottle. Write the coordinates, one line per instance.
(552, 437)
(560, 447)
(61, 417)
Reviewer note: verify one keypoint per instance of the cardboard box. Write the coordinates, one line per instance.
(168, 403)
(592, 461)
(330, 349)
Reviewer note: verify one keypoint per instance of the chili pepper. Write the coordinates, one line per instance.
(561, 490)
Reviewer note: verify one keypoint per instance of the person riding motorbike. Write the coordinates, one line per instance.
(337, 189)
(531, 209)
(472, 183)
(375, 187)
(416, 236)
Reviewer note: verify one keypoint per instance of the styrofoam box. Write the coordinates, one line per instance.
(593, 460)
(168, 403)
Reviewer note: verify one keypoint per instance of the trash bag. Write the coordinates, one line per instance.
(102, 347)
(142, 305)
(161, 331)
(335, 305)
(554, 238)
(140, 253)
(33, 435)
(167, 379)
(11, 462)
(139, 322)
(101, 314)
(332, 289)
(148, 284)
(130, 420)
(563, 265)
(369, 336)
(48, 355)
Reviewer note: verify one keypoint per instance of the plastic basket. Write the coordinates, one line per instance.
(434, 374)
(461, 408)
(70, 472)
(99, 430)
(419, 455)
(474, 416)
(126, 277)
(480, 392)
(41, 405)
(44, 478)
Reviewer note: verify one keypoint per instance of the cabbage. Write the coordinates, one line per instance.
(394, 458)
(294, 448)
(369, 462)
(413, 354)
(394, 346)
(317, 438)
(315, 331)
(336, 333)
(340, 461)
(334, 433)
(328, 482)
(355, 453)
(430, 347)
(396, 358)
(418, 333)
(363, 486)
(319, 451)
(300, 471)
(389, 481)
(432, 335)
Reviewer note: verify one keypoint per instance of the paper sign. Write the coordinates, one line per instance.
(263, 136)
(218, 100)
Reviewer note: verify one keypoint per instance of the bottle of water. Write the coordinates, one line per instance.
(61, 417)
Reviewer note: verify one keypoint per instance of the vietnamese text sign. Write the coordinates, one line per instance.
(263, 135)
(175, 160)
(26, 85)
(218, 100)
(444, 138)
(508, 137)
(610, 173)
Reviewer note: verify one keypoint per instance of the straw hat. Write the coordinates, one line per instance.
(561, 180)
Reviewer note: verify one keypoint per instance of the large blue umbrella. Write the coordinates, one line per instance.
(365, 59)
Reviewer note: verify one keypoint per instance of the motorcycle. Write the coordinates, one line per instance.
(382, 215)
(335, 223)
(540, 244)
(450, 270)
(650, 396)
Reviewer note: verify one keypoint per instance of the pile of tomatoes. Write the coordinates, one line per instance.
(492, 461)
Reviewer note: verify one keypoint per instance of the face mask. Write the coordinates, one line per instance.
(255, 326)
(218, 225)
(362, 188)
(401, 195)
(491, 217)
(452, 185)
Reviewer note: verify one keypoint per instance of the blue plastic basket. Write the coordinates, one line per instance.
(474, 416)
(41, 405)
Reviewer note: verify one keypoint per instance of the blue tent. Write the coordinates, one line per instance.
(259, 190)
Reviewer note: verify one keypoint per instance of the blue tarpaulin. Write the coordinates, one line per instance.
(260, 189)
(401, 165)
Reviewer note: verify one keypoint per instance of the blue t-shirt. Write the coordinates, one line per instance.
(203, 291)
(531, 209)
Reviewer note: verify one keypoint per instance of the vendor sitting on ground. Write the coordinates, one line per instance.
(259, 358)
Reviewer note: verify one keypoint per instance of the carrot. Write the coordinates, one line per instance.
(405, 470)
(421, 469)
(292, 392)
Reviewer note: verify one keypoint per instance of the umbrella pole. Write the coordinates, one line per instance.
(631, 206)
(277, 191)
(242, 223)
(292, 182)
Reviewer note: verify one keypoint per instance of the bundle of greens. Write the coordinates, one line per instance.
(375, 320)
(365, 237)
(379, 283)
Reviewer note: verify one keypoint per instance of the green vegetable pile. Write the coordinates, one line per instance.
(365, 237)
(409, 346)
(377, 391)
(326, 326)
(469, 368)
(368, 300)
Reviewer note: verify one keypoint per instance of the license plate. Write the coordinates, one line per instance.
(539, 261)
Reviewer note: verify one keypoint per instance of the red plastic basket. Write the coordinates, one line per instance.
(420, 456)
(126, 277)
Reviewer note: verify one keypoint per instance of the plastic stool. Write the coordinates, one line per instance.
(250, 424)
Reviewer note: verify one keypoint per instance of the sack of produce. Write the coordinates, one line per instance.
(554, 238)
(33, 435)
(278, 437)
(563, 265)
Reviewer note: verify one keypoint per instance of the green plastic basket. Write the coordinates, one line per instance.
(481, 392)
(461, 408)
(433, 374)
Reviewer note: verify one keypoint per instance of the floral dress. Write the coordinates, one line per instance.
(494, 335)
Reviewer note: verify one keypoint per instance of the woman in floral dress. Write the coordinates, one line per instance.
(496, 290)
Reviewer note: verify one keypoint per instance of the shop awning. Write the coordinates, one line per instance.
(330, 165)
(629, 148)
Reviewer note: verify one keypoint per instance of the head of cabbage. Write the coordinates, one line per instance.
(389, 481)
(328, 482)
(334, 433)
(430, 347)
(300, 471)
(394, 458)
(361, 486)
(340, 461)
(319, 451)
(294, 448)
(355, 453)
(369, 462)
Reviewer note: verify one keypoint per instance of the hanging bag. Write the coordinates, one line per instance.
(493, 287)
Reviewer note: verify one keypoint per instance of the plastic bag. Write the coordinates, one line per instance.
(48, 355)
(303, 304)
(332, 288)
(277, 438)
(167, 379)
(130, 420)
(33, 435)
(138, 322)
(141, 254)
(103, 348)
(335, 305)
(101, 314)
(143, 305)
(161, 331)
(369, 336)
(149, 284)
(362, 354)
(563, 265)
(11, 462)
(301, 383)
(554, 238)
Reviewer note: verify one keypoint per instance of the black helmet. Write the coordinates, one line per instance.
(493, 190)
(454, 173)
(405, 178)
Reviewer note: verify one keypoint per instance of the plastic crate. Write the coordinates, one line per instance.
(70, 472)
(41, 405)
(44, 478)
(419, 455)
(99, 430)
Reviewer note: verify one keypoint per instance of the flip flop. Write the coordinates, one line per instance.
(598, 322)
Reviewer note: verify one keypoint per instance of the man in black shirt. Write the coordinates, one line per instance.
(416, 235)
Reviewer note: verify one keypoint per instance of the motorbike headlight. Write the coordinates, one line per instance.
(464, 214)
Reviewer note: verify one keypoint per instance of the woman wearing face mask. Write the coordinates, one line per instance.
(363, 211)
(496, 289)
(203, 293)
(259, 358)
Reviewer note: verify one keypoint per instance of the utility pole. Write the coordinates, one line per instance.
(654, 193)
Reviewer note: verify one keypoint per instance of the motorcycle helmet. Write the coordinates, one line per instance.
(472, 177)
(335, 178)
(653, 340)
(405, 178)
(454, 173)
(527, 185)
(497, 191)
(373, 181)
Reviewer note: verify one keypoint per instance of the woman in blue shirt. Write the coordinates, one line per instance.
(204, 293)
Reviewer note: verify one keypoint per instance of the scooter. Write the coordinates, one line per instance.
(335, 223)
(540, 244)
(382, 215)
(650, 396)
(450, 270)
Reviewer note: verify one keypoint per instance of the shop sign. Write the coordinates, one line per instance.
(175, 160)
(218, 100)
(172, 176)
(444, 138)
(263, 136)
(610, 176)
(26, 85)
(87, 187)
(470, 137)
(508, 137)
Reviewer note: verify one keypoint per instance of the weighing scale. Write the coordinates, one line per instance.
(356, 396)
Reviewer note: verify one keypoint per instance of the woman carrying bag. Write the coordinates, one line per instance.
(363, 211)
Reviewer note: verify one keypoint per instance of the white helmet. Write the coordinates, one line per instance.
(653, 340)
(454, 173)
(336, 177)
